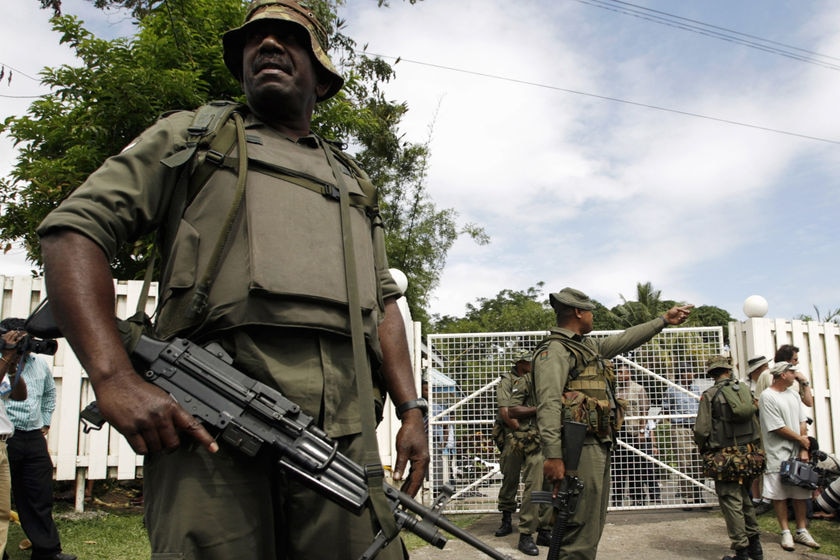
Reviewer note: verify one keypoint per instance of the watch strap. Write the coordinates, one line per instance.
(420, 403)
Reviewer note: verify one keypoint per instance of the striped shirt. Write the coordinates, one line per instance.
(36, 411)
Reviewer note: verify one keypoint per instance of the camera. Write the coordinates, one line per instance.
(799, 473)
(29, 343)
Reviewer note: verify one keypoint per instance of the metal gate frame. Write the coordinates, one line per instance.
(463, 370)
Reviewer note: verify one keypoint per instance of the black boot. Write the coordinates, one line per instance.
(740, 554)
(754, 548)
(527, 546)
(544, 537)
(505, 528)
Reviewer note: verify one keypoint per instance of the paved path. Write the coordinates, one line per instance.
(646, 535)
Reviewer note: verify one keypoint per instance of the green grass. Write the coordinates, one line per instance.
(117, 535)
(827, 533)
(92, 535)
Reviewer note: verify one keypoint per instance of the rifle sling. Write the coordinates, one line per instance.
(374, 472)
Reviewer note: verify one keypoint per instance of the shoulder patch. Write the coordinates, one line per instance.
(543, 355)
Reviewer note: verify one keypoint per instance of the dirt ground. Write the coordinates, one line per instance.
(651, 535)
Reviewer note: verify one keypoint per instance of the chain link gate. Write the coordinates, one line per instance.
(655, 462)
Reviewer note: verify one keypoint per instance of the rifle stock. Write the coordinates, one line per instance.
(252, 417)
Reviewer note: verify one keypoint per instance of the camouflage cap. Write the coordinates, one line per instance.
(284, 10)
(570, 297)
(521, 356)
(718, 362)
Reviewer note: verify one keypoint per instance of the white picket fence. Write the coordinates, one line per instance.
(105, 454)
(819, 357)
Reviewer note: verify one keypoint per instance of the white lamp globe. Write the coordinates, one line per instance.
(755, 306)
(400, 278)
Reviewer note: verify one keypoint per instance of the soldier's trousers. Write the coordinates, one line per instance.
(205, 506)
(514, 464)
(586, 525)
(738, 511)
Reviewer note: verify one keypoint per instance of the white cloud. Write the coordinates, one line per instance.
(579, 190)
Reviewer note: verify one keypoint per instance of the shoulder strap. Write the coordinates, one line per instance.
(581, 353)
(374, 472)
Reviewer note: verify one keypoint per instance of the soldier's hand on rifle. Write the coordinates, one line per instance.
(149, 418)
(412, 446)
(554, 470)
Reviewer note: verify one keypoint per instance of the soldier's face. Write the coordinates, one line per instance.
(586, 320)
(277, 69)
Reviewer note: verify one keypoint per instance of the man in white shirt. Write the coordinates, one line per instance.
(784, 435)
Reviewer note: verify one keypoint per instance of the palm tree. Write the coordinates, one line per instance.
(648, 305)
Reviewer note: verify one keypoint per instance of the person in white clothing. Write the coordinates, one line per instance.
(784, 435)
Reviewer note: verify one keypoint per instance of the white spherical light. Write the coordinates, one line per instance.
(400, 278)
(755, 306)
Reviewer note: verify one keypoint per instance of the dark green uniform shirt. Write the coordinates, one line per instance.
(551, 368)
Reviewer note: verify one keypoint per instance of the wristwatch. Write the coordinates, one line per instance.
(420, 403)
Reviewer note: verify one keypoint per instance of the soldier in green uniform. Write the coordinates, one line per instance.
(574, 380)
(521, 456)
(719, 430)
(259, 268)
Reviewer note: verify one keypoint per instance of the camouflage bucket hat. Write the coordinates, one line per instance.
(717, 363)
(521, 356)
(283, 10)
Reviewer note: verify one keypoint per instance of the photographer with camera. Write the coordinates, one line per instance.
(29, 457)
(784, 434)
(13, 387)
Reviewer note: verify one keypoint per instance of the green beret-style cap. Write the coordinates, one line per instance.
(570, 297)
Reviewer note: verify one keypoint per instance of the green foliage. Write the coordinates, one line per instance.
(175, 62)
(509, 311)
(97, 107)
(831, 315)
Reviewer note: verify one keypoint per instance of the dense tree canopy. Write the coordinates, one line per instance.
(174, 62)
(528, 310)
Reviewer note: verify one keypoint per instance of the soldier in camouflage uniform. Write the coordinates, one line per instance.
(717, 430)
(573, 380)
(521, 455)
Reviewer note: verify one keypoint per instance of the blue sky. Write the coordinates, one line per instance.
(577, 190)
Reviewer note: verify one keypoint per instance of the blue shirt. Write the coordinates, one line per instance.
(678, 402)
(36, 411)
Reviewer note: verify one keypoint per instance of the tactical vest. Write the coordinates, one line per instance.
(277, 259)
(589, 394)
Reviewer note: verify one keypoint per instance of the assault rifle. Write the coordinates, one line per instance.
(565, 504)
(252, 416)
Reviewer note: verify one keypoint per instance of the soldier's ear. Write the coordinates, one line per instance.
(322, 88)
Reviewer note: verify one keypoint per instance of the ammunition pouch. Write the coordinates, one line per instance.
(526, 441)
(598, 415)
(736, 463)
